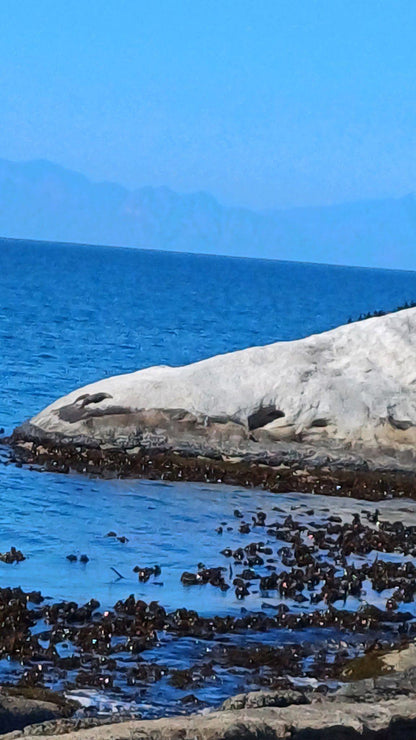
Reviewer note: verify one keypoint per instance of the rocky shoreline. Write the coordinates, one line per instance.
(304, 642)
(278, 474)
(358, 710)
(329, 413)
(333, 414)
(381, 706)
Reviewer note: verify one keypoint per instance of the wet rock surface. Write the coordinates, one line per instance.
(287, 470)
(21, 708)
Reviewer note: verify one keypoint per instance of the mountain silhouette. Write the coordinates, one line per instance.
(44, 201)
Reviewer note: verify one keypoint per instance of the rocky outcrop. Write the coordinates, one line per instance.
(20, 708)
(345, 395)
(382, 708)
(321, 720)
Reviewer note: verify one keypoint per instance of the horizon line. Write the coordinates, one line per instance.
(200, 254)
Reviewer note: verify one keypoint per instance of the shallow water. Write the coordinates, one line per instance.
(71, 315)
(172, 525)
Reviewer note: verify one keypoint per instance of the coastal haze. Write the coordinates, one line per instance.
(43, 201)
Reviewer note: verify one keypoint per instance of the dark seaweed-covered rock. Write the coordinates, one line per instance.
(13, 556)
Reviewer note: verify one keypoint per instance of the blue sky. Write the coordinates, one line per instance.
(266, 103)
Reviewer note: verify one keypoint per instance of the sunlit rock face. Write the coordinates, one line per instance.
(352, 388)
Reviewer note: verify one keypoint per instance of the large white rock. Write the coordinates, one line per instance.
(352, 386)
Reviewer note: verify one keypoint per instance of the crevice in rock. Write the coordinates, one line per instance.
(402, 424)
(264, 415)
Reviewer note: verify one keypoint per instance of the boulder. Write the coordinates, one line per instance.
(20, 708)
(350, 392)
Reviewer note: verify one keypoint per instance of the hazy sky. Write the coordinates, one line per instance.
(265, 103)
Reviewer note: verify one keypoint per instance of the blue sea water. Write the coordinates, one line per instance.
(70, 315)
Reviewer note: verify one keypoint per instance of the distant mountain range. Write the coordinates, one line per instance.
(41, 200)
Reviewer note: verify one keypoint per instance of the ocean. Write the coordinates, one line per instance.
(70, 315)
